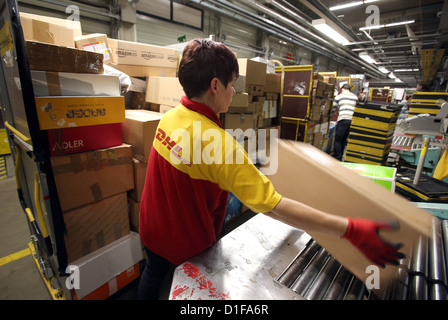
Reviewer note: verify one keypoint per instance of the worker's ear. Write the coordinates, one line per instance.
(214, 85)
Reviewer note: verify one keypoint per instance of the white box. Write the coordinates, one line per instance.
(104, 264)
(74, 84)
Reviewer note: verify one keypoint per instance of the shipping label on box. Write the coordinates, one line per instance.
(96, 42)
(83, 178)
(65, 112)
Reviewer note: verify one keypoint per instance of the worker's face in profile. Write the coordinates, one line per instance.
(224, 95)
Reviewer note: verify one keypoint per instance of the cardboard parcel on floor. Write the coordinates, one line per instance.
(311, 176)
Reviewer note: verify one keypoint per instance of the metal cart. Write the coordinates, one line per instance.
(29, 148)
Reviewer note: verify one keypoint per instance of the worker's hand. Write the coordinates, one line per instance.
(363, 234)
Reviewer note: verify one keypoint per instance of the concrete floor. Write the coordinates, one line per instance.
(19, 279)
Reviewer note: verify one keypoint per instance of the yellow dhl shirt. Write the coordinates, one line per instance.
(192, 167)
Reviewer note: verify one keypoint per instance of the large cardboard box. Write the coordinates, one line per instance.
(83, 178)
(55, 112)
(254, 71)
(139, 130)
(82, 139)
(46, 83)
(105, 266)
(141, 54)
(96, 42)
(50, 57)
(95, 225)
(241, 121)
(145, 71)
(164, 90)
(333, 188)
(273, 83)
(62, 32)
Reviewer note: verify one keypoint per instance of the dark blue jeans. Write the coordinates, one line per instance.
(340, 138)
(153, 274)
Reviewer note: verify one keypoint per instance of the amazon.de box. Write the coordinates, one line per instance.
(87, 177)
(333, 188)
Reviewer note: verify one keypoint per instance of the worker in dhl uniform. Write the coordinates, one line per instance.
(186, 189)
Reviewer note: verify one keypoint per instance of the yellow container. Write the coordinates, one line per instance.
(57, 112)
(4, 143)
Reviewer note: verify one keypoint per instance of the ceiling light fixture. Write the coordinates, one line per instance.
(392, 75)
(383, 70)
(366, 57)
(387, 25)
(405, 70)
(350, 4)
(322, 26)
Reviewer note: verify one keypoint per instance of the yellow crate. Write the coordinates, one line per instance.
(4, 143)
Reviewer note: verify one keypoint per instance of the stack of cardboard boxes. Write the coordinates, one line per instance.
(255, 103)
(321, 104)
(95, 144)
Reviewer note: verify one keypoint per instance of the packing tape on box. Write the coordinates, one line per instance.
(97, 194)
(79, 163)
(54, 86)
(41, 31)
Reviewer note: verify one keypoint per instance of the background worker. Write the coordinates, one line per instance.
(345, 102)
(184, 201)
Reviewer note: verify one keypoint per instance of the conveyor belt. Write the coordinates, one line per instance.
(266, 259)
(316, 275)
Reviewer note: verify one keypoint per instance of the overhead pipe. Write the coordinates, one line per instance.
(289, 36)
(330, 54)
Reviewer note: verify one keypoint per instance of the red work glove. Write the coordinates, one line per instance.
(363, 234)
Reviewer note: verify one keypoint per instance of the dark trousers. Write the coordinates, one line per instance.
(340, 138)
(154, 272)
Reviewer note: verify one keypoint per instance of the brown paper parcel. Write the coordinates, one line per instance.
(311, 176)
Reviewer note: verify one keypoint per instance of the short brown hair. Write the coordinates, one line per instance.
(202, 60)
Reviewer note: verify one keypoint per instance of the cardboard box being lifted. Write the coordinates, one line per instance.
(311, 176)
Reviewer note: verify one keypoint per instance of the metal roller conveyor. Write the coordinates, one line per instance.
(306, 278)
(356, 291)
(265, 259)
(339, 286)
(419, 262)
(297, 266)
(323, 280)
(418, 288)
(437, 270)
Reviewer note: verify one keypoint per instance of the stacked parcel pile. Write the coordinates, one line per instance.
(371, 132)
(82, 111)
(427, 102)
